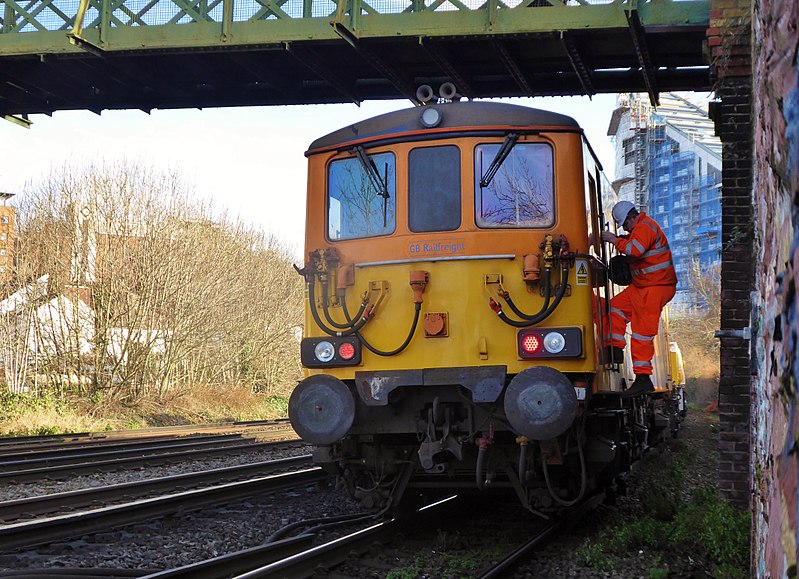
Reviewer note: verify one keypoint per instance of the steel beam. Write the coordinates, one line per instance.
(577, 63)
(444, 63)
(307, 58)
(512, 66)
(639, 40)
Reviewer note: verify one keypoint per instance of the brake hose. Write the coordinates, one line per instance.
(564, 273)
(312, 306)
(347, 326)
(417, 309)
(547, 297)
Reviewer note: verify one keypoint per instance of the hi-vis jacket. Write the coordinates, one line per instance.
(651, 263)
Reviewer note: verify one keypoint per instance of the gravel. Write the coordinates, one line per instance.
(173, 541)
(12, 491)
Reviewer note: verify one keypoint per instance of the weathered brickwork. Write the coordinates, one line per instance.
(729, 40)
(775, 401)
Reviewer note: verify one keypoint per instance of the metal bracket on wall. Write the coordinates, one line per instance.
(746, 333)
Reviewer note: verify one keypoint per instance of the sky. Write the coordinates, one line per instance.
(245, 160)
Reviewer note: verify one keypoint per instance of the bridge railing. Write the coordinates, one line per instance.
(52, 15)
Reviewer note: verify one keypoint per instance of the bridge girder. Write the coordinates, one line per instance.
(204, 53)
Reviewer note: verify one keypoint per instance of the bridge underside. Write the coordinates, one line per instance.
(345, 68)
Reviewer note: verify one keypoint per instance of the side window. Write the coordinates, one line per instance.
(592, 218)
(355, 205)
(434, 189)
(522, 192)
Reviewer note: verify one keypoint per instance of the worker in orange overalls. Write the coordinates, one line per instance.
(654, 283)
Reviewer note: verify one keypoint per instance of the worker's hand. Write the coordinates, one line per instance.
(609, 237)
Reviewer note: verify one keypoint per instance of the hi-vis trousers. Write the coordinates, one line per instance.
(641, 308)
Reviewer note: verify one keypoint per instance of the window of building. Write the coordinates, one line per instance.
(434, 189)
(355, 205)
(522, 192)
(629, 150)
(4, 219)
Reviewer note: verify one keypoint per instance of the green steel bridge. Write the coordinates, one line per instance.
(147, 54)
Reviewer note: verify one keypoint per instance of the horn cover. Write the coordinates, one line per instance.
(321, 409)
(540, 403)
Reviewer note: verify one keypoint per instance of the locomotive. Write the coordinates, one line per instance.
(457, 298)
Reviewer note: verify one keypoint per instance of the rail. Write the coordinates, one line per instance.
(43, 531)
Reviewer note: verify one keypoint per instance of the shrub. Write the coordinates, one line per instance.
(592, 555)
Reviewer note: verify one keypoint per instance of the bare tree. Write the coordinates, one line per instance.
(146, 289)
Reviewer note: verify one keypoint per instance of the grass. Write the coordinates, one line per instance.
(447, 567)
(48, 413)
(705, 528)
(703, 525)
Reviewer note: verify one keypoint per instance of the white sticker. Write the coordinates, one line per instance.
(580, 392)
(581, 266)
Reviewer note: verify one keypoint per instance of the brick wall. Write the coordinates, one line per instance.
(776, 225)
(729, 40)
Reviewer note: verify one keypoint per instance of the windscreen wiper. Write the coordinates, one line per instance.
(378, 182)
(499, 158)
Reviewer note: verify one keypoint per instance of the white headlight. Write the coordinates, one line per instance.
(430, 117)
(554, 342)
(324, 351)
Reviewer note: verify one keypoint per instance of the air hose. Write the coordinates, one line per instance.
(347, 326)
(368, 346)
(547, 296)
(564, 276)
(353, 328)
(583, 480)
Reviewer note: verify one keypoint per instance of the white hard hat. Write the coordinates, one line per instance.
(620, 211)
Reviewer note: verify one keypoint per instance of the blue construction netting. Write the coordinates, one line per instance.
(684, 197)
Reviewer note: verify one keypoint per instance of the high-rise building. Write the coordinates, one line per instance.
(668, 163)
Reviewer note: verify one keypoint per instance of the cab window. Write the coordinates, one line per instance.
(434, 189)
(521, 193)
(356, 206)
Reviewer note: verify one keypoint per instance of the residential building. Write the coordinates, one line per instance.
(8, 217)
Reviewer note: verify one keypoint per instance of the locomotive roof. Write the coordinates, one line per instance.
(455, 115)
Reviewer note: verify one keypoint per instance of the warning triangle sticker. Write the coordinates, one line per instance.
(582, 270)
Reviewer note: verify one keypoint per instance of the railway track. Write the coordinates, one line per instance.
(280, 426)
(47, 504)
(47, 530)
(358, 554)
(371, 549)
(363, 552)
(63, 466)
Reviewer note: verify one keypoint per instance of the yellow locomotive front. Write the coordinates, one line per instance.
(454, 308)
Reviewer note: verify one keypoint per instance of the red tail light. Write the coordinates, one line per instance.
(530, 344)
(550, 343)
(346, 351)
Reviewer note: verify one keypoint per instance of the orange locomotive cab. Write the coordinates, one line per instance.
(454, 311)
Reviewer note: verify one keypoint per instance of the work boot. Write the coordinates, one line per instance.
(614, 354)
(641, 385)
